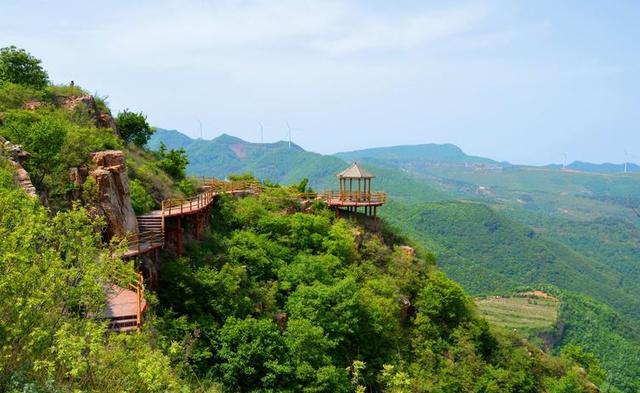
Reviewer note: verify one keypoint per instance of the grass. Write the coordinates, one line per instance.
(528, 311)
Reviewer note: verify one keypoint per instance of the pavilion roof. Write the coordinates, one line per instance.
(355, 172)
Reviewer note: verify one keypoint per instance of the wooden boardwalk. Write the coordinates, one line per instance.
(152, 225)
(126, 306)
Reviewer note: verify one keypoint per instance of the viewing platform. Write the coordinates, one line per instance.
(355, 192)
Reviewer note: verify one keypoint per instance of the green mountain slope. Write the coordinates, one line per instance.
(278, 163)
(512, 251)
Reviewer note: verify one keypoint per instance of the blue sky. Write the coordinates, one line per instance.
(528, 82)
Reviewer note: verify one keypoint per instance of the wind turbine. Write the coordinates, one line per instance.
(261, 133)
(626, 163)
(199, 122)
(289, 127)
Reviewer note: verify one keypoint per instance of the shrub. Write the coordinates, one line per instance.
(133, 127)
(141, 201)
(14, 96)
(173, 162)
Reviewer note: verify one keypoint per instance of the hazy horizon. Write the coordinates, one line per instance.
(528, 83)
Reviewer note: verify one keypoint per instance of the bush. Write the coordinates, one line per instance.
(141, 201)
(64, 91)
(173, 162)
(188, 187)
(133, 127)
(14, 96)
(18, 66)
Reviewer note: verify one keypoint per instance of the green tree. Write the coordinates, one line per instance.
(174, 161)
(254, 354)
(18, 66)
(133, 127)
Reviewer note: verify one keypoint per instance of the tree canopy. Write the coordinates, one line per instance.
(133, 127)
(20, 67)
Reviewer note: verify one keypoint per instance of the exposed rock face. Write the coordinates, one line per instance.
(17, 156)
(113, 187)
(103, 119)
(33, 105)
(77, 177)
(408, 251)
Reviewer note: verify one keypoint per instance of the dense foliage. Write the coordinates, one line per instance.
(281, 298)
(53, 271)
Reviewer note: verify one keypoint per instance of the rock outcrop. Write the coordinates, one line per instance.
(17, 156)
(102, 119)
(113, 189)
(407, 250)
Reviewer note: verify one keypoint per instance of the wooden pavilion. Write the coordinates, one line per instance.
(355, 192)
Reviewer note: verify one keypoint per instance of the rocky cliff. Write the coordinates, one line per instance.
(113, 189)
(16, 156)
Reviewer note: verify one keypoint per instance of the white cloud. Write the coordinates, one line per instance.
(324, 28)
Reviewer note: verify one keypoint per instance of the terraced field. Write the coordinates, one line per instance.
(531, 312)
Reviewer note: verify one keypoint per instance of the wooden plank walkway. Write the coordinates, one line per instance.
(125, 307)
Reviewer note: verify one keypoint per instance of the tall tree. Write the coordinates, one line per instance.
(18, 66)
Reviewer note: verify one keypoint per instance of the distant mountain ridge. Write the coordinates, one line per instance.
(605, 167)
(424, 154)
(430, 152)
(226, 154)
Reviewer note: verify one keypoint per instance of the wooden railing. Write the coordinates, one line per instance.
(357, 197)
(137, 241)
(136, 285)
(212, 187)
(181, 205)
(376, 197)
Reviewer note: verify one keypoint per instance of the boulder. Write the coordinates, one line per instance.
(113, 189)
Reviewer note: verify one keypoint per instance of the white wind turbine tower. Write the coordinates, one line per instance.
(289, 127)
(626, 163)
(261, 133)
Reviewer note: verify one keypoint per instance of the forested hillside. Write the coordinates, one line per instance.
(278, 294)
(493, 226)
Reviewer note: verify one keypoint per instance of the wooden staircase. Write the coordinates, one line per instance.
(150, 223)
(126, 307)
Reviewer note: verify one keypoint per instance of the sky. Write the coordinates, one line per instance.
(530, 82)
